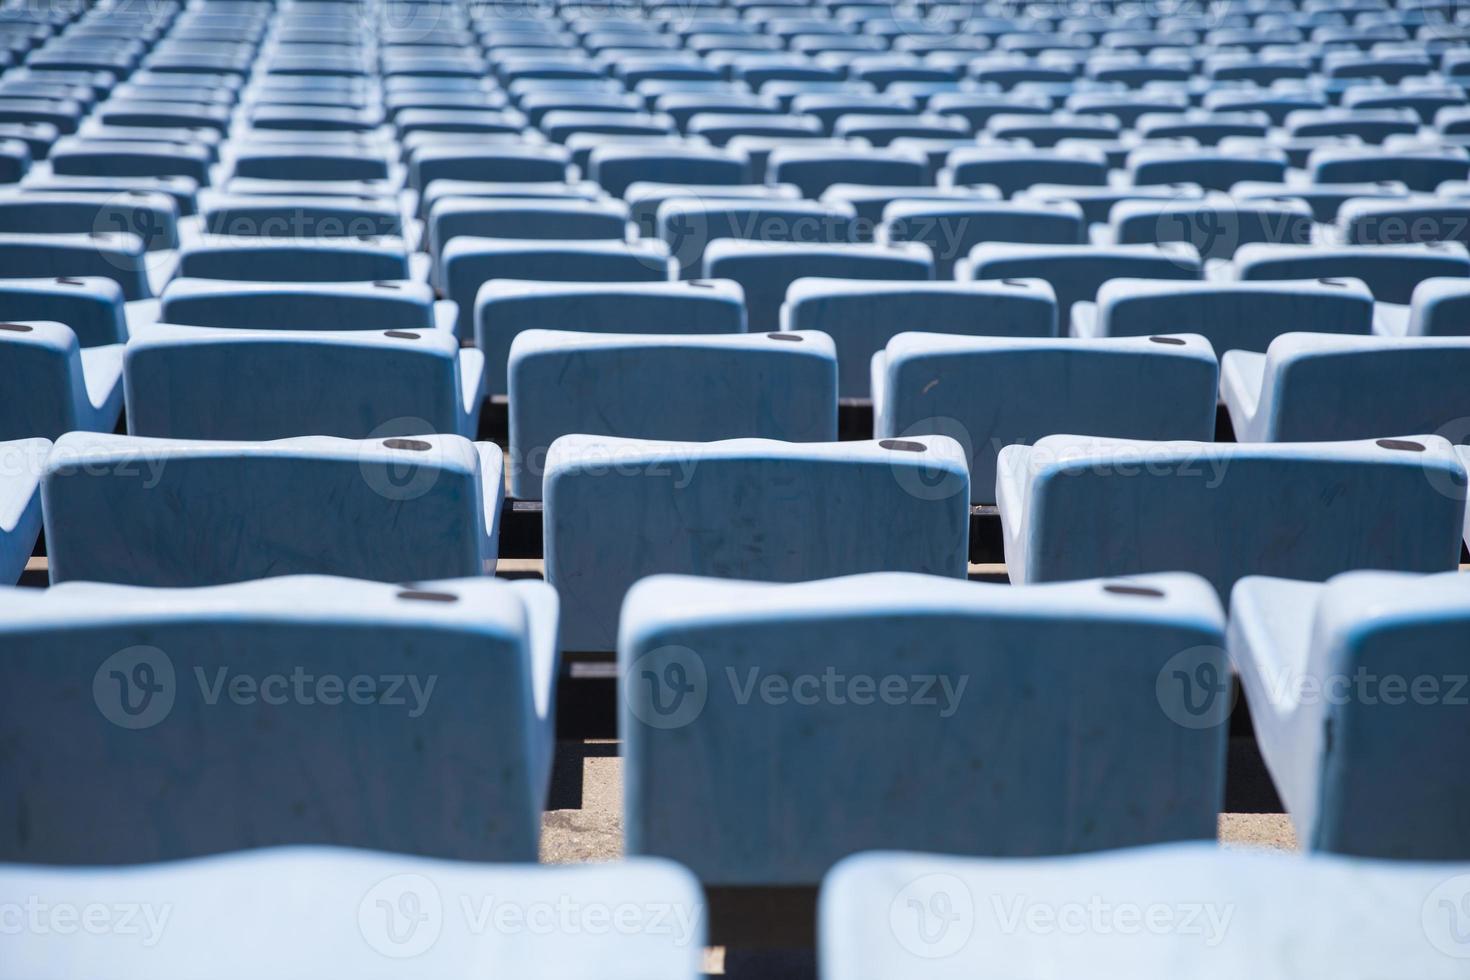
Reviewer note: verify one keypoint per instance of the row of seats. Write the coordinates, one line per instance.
(1137, 913)
(227, 382)
(193, 383)
(787, 250)
(163, 512)
(736, 696)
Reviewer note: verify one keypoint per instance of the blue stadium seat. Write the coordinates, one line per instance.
(1410, 220)
(119, 256)
(617, 510)
(1353, 688)
(1437, 308)
(688, 225)
(1216, 225)
(300, 260)
(1390, 271)
(1012, 169)
(1223, 911)
(52, 385)
(1231, 315)
(1369, 125)
(92, 307)
(765, 270)
(948, 658)
(558, 190)
(360, 912)
(512, 163)
(644, 198)
(1077, 272)
(677, 388)
(297, 216)
(1073, 506)
(1046, 132)
(311, 161)
(380, 305)
(560, 124)
(870, 200)
(506, 308)
(884, 129)
(491, 217)
(413, 671)
(1212, 169)
(992, 392)
(1097, 202)
(20, 503)
(1323, 387)
(166, 512)
(189, 382)
(467, 263)
(83, 157)
(952, 228)
(1420, 170)
(614, 167)
(1325, 200)
(861, 316)
(814, 169)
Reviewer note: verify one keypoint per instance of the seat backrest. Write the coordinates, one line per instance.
(118, 256)
(816, 169)
(952, 228)
(92, 307)
(299, 216)
(1224, 911)
(1234, 315)
(172, 917)
(861, 316)
(1216, 225)
(188, 382)
(373, 676)
(381, 305)
(41, 375)
(615, 167)
(689, 225)
(505, 308)
(882, 664)
(1077, 507)
(1077, 272)
(1325, 387)
(1408, 220)
(681, 388)
(617, 510)
(765, 270)
(1212, 169)
(467, 263)
(179, 513)
(301, 260)
(149, 216)
(1384, 745)
(1440, 308)
(991, 392)
(1390, 271)
(1014, 170)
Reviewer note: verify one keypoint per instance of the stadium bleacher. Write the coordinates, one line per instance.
(405, 402)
